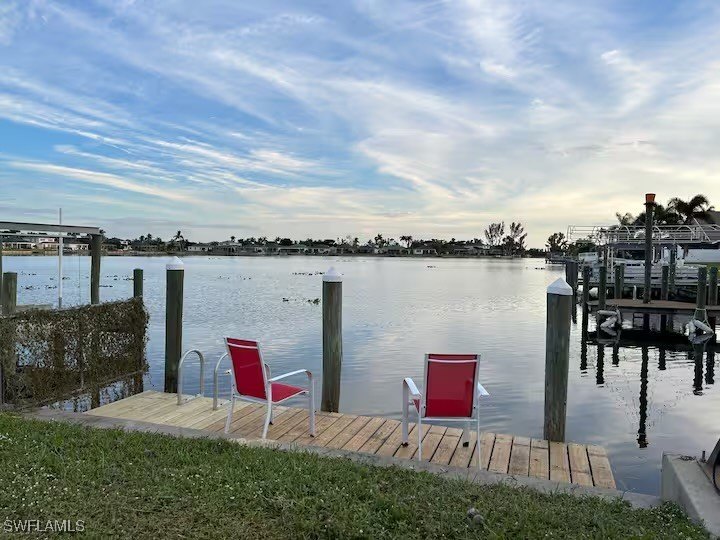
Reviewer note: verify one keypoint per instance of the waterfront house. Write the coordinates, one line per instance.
(295, 249)
(318, 249)
(394, 250)
(424, 249)
(228, 248)
(200, 248)
(366, 249)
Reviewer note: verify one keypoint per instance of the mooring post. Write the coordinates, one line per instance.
(95, 255)
(602, 287)
(673, 268)
(649, 206)
(700, 313)
(557, 359)
(571, 274)
(9, 293)
(332, 340)
(618, 290)
(576, 277)
(587, 272)
(175, 275)
(665, 282)
(137, 282)
(712, 298)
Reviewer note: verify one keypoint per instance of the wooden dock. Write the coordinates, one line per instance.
(662, 307)
(508, 454)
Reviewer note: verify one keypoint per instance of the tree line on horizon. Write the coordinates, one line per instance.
(500, 239)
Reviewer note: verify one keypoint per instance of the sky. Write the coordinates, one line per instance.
(327, 119)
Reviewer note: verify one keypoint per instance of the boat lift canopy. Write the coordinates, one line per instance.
(625, 235)
(60, 231)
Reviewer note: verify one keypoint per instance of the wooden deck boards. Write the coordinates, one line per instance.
(502, 453)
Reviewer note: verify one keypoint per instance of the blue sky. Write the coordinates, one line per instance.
(328, 119)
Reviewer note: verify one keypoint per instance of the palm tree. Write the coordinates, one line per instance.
(232, 239)
(697, 207)
(407, 239)
(178, 239)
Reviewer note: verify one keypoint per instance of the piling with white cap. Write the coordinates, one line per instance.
(175, 275)
(557, 358)
(332, 339)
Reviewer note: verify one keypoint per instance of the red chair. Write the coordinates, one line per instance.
(452, 394)
(251, 381)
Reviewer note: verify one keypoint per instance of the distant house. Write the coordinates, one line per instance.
(228, 248)
(342, 249)
(295, 249)
(18, 244)
(47, 244)
(394, 250)
(366, 249)
(424, 249)
(318, 249)
(472, 250)
(200, 248)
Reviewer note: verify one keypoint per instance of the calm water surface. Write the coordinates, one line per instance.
(396, 310)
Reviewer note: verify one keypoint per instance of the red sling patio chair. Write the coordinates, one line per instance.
(451, 394)
(251, 381)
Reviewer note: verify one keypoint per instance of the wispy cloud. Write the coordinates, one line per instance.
(425, 118)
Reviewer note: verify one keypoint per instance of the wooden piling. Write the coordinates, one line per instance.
(665, 282)
(9, 293)
(700, 313)
(649, 207)
(587, 272)
(175, 275)
(618, 275)
(673, 268)
(712, 298)
(95, 256)
(332, 340)
(602, 288)
(137, 282)
(557, 359)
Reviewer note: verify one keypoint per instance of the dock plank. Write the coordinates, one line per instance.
(461, 456)
(288, 422)
(579, 465)
(600, 467)
(446, 448)
(348, 432)
(324, 437)
(559, 464)
(500, 459)
(362, 436)
(431, 441)
(520, 457)
(394, 441)
(378, 438)
(539, 459)
(323, 422)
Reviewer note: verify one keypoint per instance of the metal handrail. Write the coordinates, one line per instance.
(215, 381)
(202, 374)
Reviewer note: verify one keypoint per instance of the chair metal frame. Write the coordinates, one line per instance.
(267, 382)
(411, 393)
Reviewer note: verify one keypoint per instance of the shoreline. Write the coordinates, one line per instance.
(205, 254)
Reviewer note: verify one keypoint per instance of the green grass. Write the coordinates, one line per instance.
(152, 486)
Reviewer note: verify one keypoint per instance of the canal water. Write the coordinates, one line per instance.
(637, 402)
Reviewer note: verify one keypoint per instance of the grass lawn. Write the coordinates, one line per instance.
(137, 485)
